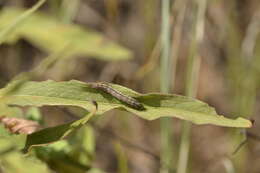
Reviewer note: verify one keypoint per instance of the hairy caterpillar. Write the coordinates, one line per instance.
(132, 102)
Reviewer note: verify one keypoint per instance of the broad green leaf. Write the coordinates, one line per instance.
(75, 93)
(52, 36)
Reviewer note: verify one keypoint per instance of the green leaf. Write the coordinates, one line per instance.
(52, 36)
(14, 24)
(16, 141)
(75, 93)
(14, 161)
(60, 154)
(83, 145)
(53, 134)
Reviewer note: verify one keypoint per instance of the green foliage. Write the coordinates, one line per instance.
(75, 93)
(15, 162)
(83, 142)
(70, 147)
(51, 35)
(10, 111)
(53, 134)
(34, 114)
(75, 154)
(12, 160)
(19, 19)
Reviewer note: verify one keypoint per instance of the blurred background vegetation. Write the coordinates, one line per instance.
(213, 51)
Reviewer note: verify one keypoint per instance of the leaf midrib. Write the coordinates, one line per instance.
(106, 103)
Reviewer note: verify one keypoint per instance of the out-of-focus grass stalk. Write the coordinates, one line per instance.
(19, 20)
(166, 44)
(166, 142)
(122, 159)
(192, 83)
(180, 7)
(244, 81)
(69, 10)
(248, 60)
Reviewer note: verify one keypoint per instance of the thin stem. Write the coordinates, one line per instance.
(180, 6)
(192, 83)
(166, 142)
(166, 43)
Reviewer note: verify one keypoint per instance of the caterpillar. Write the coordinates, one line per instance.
(130, 101)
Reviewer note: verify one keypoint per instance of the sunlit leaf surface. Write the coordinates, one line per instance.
(75, 93)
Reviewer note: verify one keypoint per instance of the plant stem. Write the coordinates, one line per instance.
(166, 43)
(192, 83)
(180, 8)
(166, 142)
